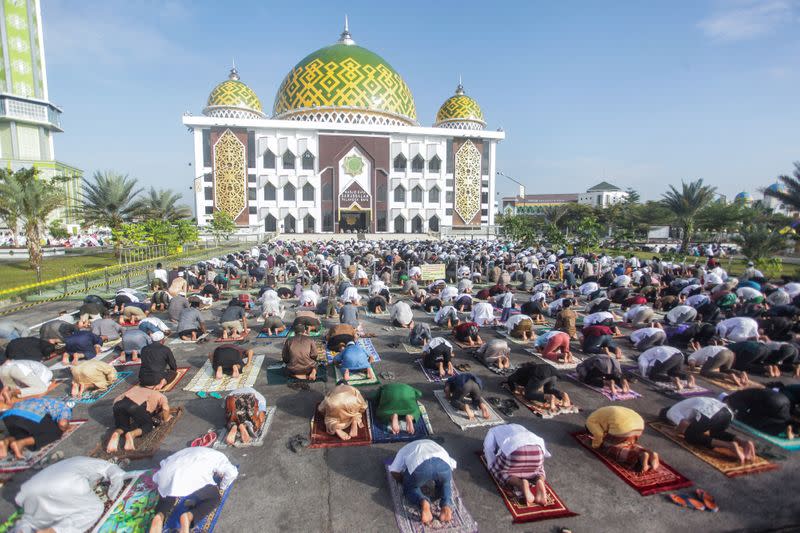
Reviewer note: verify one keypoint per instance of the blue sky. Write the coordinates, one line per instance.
(644, 94)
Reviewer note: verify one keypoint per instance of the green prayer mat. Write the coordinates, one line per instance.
(277, 376)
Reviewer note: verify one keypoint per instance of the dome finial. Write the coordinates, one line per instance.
(234, 74)
(460, 88)
(345, 37)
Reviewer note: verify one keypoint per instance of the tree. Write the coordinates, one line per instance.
(633, 196)
(57, 230)
(161, 204)
(221, 225)
(110, 201)
(187, 231)
(791, 195)
(759, 241)
(587, 235)
(9, 206)
(518, 228)
(685, 204)
(33, 200)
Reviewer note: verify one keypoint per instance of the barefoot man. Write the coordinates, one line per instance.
(421, 463)
(515, 457)
(133, 415)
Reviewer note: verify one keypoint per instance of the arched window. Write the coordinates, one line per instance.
(417, 164)
(308, 224)
(433, 223)
(435, 164)
(416, 194)
(269, 159)
(289, 224)
(400, 194)
(399, 224)
(288, 159)
(433, 195)
(381, 195)
(327, 191)
(270, 223)
(289, 192)
(308, 160)
(416, 224)
(308, 192)
(270, 193)
(400, 163)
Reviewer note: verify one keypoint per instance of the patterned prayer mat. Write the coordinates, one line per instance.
(408, 516)
(460, 419)
(652, 482)
(376, 315)
(320, 438)
(357, 378)
(412, 349)
(181, 341)
(277, 376)
(722, 459)
(53, 384)
(381, 433)
(366, 344)
(508, 337)
(182, 370)
(791, 445)
(11, 465)
(432, 375)
(122, 360)
(94, 395)
(727, 385)
(318, 333)
(463, 345)
(520, 511)
(204, 379)
(605, 391)
(146, 445)
(258, 440)
(538, 409)
(555, 364)
(494, 368)
(686, 392)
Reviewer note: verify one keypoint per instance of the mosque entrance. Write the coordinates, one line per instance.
(355, 221)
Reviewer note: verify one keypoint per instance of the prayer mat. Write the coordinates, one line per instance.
(412, 349)
(282, 334)
(520, 511)
(204, 379)
(358, 378)
(791, 445)
(53, 384)
(146, 446)
(381, 433)
(258, 440)
(312, 334)
(231, 339)
(494, 368)
(727, 385)
(464, 345)
(606, 391)
(133, 509)
(722, 459)
(555, 364)
(11, 465)
(99, 357)
(181, 341)
(10, 521)
(366, 344)
(433, 375)
(375, 315)
(686, 392)
(408, 516)
(111, 344)
(122, 360)
(320, 438)
(460, 419)
(515, 340)
(182, 370)
(541, 410)
(277, 376)
(652, 482)
(95, 394)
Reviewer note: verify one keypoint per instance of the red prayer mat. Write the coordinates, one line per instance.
(662, 480)
(520, 512)
(322, 439)
(182, 370)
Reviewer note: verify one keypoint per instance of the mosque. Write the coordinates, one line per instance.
(342, 152)
(769, 202)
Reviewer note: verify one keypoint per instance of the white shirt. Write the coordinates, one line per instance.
(694, 408)
(513, 320)
(32, 367)
(410, 456)
(351, 294)
(678, 310)
(705, 353)
(482, 313)
(437, 341)
(696, 300)
(308, 296)
(622, 281)
(157, 322)
(588, 288)
(507, 439)
(449, 293)
(596, 318)
(641, 334)
(792, 288)
(555, 306)
(444, 312)
(401, 312)
(657, 353)
(414, 271)
(161, 274)
(748, 293)
(738, 329)
(190, 469)
(505, 300)
(634, 312)
(689, 288)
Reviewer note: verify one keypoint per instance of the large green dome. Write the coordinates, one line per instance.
(233, 99)
(460, 112)
(345, 83)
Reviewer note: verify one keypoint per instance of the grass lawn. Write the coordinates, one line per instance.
(15, 273)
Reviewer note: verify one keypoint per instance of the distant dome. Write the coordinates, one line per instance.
(743, 196)
(460, 112)
(233, 99)
(777, 187)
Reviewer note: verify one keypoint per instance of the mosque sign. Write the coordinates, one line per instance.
(354, 196)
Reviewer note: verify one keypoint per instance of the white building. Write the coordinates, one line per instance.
(342, 152)
(602, 195)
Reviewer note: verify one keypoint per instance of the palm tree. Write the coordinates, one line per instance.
(686, 203)
(162, 204)
(790, 196)
(758, 241)
(9, 203)
(109, 201)
(32, 200)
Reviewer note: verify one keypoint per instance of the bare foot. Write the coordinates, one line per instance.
(342, 435)
(129, 446)
(186, 522)
(691, 382)
(235, 372)
(157, 524)
(425, 512)
(751, 451)
(113, 444)
(530, 499)
(485, 411)
(395, 427)
(739, 452)
(446, 515)
(541, 493)
(409, 425)
(655, 461)
(230, 438)
(218, 374)
(3, 449)
(645, 462)
(16, 449)
(246, 438)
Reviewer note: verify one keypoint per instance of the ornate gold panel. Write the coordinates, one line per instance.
(468, 182)
(230, 175)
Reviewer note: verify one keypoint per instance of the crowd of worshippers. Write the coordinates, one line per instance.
(685, 319)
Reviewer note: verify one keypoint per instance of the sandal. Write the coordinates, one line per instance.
(298, 443)
(695, 504)
(202, 394)
(708, 500)
(216, 395)
(678, 500)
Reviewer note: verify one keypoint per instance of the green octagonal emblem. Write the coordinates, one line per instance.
(353, 165)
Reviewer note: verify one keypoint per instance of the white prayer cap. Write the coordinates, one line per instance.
(157, 336)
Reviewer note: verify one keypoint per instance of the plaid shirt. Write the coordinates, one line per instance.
(37, 408)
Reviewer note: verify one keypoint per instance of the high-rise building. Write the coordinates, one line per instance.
(28, 119)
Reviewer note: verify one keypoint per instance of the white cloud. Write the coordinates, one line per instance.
(742, 20)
